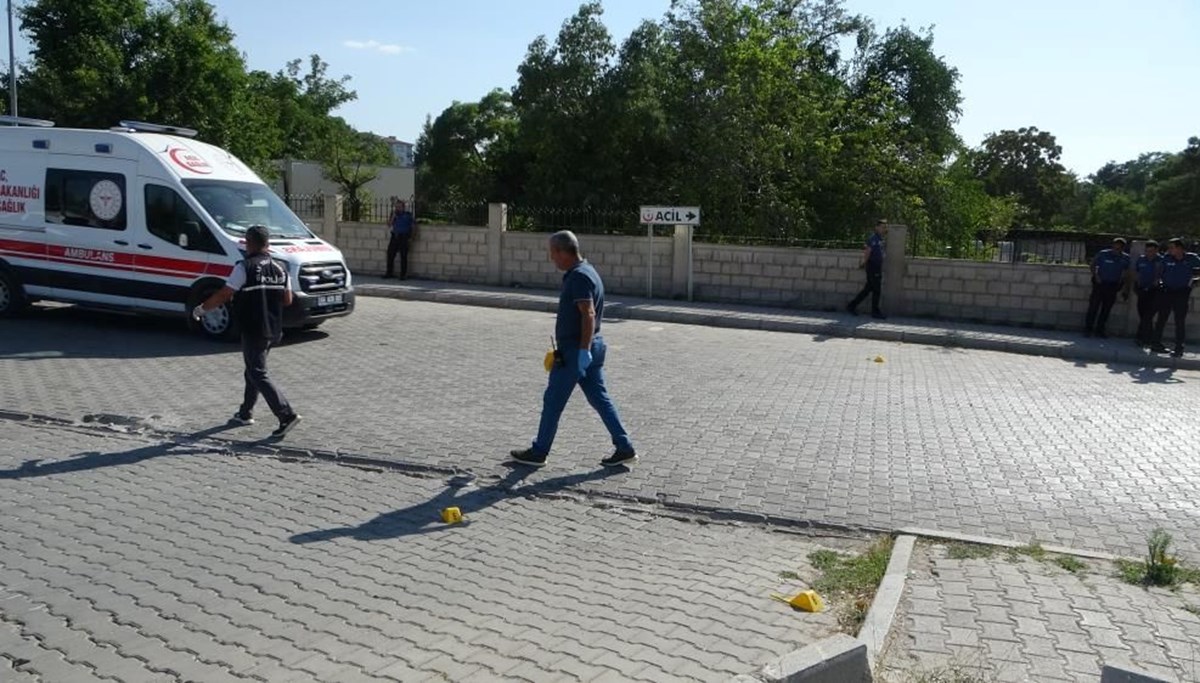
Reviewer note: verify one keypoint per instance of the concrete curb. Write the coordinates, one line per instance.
(836, 659)
(784, 321)
(878, 624)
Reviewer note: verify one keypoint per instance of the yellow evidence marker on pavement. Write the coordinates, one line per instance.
(452, 516)
(879, 359)
(808, 601)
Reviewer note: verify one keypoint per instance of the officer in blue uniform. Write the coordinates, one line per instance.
(1148, 281)
(579, 359)
(1180, 272)
(872, 263)
(1110, 274)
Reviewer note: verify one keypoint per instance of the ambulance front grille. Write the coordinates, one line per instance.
(322, 277)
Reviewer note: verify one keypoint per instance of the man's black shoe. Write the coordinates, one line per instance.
(851, 310)
(878, 315)
(619, 458)
(1178, 352)
(285, 426)
(240, 418)
(1101, 335)
(528, 458)
(1158, 348)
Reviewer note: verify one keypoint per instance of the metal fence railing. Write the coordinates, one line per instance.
(306, 205)
(470, 213)
(582, 220)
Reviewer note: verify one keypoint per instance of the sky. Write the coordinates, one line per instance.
(1111, 79)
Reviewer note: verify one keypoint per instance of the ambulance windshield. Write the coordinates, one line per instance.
(235, 206)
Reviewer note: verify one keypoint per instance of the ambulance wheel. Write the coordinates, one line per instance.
(218, 325)
(12, 295)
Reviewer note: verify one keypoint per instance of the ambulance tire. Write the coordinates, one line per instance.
(12, 294)
(218, 325)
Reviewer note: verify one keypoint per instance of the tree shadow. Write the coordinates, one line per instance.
(425, 518)
(94, 460)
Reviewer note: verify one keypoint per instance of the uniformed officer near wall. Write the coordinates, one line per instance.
(872, 263)
(1147, 274)
(579, 359)
(1180, 272)
(1110, 275)
(261, 289)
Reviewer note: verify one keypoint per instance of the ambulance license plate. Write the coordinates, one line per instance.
(331, 300)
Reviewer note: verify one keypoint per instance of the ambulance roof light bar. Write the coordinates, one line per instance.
(23, 121)
(143, 127)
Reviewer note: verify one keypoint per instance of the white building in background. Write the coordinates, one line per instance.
(308, 178)
(402, 152)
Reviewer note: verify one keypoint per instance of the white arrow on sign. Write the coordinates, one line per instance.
(670, 215)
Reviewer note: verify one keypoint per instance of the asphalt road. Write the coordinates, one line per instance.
(1015, 447)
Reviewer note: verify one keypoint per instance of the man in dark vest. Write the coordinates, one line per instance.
(261, 287)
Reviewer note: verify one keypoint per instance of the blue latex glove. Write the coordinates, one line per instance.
(585, 362)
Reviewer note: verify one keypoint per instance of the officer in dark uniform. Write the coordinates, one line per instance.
(872, 263)
(580, 357)
(1110, 273)
(1180, 272)
(1148, 280)
(261, 287)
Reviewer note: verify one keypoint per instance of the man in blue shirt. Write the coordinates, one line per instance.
(872, 262)
(579, 359)
(1110, 274)
(402, 224)
(1148, 280)
(1180, 272)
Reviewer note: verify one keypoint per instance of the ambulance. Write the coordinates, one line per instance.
(144, 218)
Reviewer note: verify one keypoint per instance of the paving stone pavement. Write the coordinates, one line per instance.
(132, 560)
(1091, 456)
(998, 619)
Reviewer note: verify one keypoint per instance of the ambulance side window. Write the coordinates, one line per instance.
(167, 214)
(87, 199)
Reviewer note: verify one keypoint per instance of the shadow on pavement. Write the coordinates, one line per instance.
(93, 460)
(426, 517)
(1146, 375)
(48, 332)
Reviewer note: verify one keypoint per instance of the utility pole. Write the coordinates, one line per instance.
(12, 66)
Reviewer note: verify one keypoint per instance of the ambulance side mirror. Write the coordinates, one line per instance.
(190, 234)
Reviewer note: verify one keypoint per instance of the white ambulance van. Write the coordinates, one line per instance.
(144, 218)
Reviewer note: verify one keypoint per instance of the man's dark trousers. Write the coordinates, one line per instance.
(1174, 302)
(1104, 296)
(874, 288)
(254, 353)
(398, 244)
(1147, 308)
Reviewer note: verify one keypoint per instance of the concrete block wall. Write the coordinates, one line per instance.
(440, 252)
(1034, 295)
(621, 260)
(776, 276)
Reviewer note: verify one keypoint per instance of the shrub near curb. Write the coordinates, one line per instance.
(851, 581)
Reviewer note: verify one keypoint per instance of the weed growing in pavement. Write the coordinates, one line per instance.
(852, 580)
(969, 551)
(1194, 609)
(789, 576)
(1034, 551)
(1071, 564)
(1160, 568)
(952, 674)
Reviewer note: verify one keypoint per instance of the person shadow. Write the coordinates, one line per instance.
(94, 460)
(425, 518)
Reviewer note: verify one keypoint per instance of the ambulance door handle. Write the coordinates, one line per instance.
(145, 246)
(123, 243)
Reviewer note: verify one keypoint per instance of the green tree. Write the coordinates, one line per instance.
(1173, 194)
(463, 152)
(1116, 212)
(1025, 163)
(352, 159)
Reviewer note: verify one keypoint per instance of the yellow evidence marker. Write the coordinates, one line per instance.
(452, 516)
(879, 359)
(808, 601)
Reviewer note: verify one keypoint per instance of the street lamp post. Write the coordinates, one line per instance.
(12, 66)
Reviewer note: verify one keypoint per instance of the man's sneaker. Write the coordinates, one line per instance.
(878, 315)
(619, 458)
(1178, 352)
(285, 426)
(528, 457)
(1158, 348)
(240, 418)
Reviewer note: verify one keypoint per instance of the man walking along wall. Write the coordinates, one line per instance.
(579, 359)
